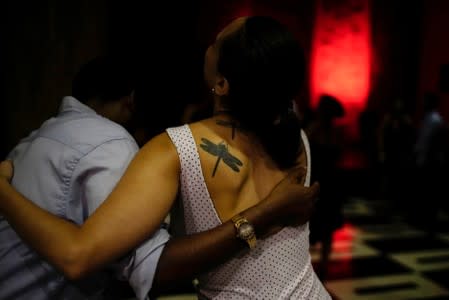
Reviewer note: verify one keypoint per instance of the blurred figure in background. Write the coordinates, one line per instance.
(431, 153)
(325, 144)
(396, 139)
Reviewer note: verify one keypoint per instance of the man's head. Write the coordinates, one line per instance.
(106, 85)
(329, 107)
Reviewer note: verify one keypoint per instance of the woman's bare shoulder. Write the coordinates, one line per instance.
(160, 145)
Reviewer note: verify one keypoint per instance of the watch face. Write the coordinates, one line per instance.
(246, 231)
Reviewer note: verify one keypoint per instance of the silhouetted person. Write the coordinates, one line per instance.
(325, 144)
(397, 136)
(369, 145)
(431, 159)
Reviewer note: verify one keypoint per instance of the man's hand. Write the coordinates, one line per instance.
(292, 202)
(6, 170)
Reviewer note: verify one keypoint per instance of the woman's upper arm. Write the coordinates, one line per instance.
(136, 206)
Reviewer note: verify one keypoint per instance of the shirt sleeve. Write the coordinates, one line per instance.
(98, 173)
(141, 266)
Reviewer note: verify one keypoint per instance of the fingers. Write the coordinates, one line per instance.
(6, 165)
(6, 169)
(315, 191)
(297, 175)
(315, 187)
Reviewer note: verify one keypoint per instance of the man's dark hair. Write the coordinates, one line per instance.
(330, 107)
(105, 78)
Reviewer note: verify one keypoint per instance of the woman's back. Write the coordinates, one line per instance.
(224, 171)
(241, 174)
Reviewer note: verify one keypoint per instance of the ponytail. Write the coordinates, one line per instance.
(264, 66)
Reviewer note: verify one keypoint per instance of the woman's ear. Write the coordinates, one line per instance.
(221, 86)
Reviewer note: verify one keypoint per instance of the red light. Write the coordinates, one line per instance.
(345, 233)
(341, 55)
(245, 9)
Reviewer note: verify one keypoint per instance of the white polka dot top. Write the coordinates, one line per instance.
(278, 268)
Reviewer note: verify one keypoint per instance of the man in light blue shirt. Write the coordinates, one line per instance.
(68, 167)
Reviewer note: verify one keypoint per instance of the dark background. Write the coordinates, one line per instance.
(44, 43)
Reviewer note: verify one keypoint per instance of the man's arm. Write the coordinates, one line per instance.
(290, 203)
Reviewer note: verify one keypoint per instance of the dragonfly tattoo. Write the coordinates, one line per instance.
(221, 151)
(230, 124)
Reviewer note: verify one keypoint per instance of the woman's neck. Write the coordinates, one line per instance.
(219, 109)
(222, 112)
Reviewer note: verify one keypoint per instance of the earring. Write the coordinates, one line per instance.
(213, 91)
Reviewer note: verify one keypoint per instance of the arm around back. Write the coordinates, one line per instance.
(289, 204)
(130, 214)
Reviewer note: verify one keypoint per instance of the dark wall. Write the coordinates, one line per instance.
(43, 44)
(434, 51)
(411, 42)
(160, 40)
(396, 28)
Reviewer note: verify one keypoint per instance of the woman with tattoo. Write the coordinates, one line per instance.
(221, 166)
(229, 162)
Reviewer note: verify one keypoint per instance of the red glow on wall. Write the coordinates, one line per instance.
(245, 9)
(341, 53)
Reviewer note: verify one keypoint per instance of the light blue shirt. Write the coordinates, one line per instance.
(68, 167)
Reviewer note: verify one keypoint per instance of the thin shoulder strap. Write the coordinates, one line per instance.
(199, 211)
(305, 142)
(184, 143)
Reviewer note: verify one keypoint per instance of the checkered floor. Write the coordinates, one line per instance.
(379, 258)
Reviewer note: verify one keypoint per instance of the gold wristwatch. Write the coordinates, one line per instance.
(245, 230)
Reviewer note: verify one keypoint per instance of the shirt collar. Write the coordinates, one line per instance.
(70, 104)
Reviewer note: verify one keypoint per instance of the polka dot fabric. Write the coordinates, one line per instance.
(278, 268)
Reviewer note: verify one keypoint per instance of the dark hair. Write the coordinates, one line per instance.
(106, 78)
(330, 107)
(264, 66)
